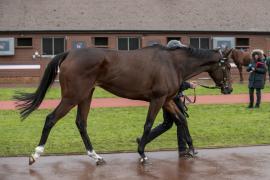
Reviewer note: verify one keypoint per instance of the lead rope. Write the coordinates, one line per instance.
(208, 87)
(187, 99)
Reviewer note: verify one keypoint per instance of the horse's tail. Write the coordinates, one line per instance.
(29, 102)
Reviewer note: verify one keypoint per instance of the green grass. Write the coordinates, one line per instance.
(54, 92)
(115, 129)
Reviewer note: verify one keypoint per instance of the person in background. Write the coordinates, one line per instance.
(267, 62)
(257, 70)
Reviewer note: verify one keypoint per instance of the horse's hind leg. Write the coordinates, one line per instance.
(81, 122)
(61, 110)
(240, 69)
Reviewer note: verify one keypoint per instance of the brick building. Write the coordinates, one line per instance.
(31, 32)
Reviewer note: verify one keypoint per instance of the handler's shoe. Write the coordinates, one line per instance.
(185, 154)
(188, 153)
(257, 106)
(193, 151)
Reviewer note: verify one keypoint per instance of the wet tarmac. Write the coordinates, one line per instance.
(246, 163)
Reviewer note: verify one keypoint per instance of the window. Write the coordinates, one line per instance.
(200, 43)
(204, 43)
(223, 42)
(53, 46)
(6, 46)
(24, 42)
(78, 44)
(153, 42)
(101, 41)
(242, 43)
(128, 43)
(173, 38)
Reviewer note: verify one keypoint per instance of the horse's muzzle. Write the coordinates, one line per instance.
(227, 90)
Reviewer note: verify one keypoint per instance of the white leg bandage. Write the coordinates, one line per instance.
(38, 151)
(94, 155)
(144, 159)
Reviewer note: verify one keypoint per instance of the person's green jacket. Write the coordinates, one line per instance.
(267, 62)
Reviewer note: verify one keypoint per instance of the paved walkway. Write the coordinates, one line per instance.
(121, 102)
(245, 163)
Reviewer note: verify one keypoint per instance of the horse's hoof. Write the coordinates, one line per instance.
(31, 160)
(192, 152)
(145, 161)
(100, 162)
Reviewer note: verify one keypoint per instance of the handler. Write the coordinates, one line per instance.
(257, 70)
(183, 135)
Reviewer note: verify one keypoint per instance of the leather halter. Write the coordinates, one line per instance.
(223, 83)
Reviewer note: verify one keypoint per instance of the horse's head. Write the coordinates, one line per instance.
(221, 72)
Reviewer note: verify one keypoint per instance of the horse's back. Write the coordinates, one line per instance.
(131, 74)
(241, 57)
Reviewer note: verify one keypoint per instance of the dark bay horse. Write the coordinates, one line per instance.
(152, 74)
(240, 58)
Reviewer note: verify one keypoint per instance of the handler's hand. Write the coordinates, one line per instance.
(193, 85)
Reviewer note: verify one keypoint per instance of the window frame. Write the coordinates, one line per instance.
(216, 39)
(202, 37)
(52, 37)
(23, 46)
(242, 46)
(129, 37)
(100, 46)
(172, 38)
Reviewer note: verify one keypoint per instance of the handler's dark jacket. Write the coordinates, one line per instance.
(257, 77)
(184, 86)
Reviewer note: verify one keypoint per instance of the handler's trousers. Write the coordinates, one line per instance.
(183, 135)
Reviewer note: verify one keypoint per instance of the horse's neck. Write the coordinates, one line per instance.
(241, 57)
(198, 66)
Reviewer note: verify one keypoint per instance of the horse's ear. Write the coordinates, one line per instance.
(228, 52)
(217, 49)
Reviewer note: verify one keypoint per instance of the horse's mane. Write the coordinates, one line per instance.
(194, 52)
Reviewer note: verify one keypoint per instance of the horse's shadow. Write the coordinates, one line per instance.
(61, 169)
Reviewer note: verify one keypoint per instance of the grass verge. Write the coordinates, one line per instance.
(115, 129)
(54, 92)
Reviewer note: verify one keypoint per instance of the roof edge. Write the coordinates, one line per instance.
(132, 31)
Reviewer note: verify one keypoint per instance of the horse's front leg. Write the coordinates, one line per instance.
(155, 106)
